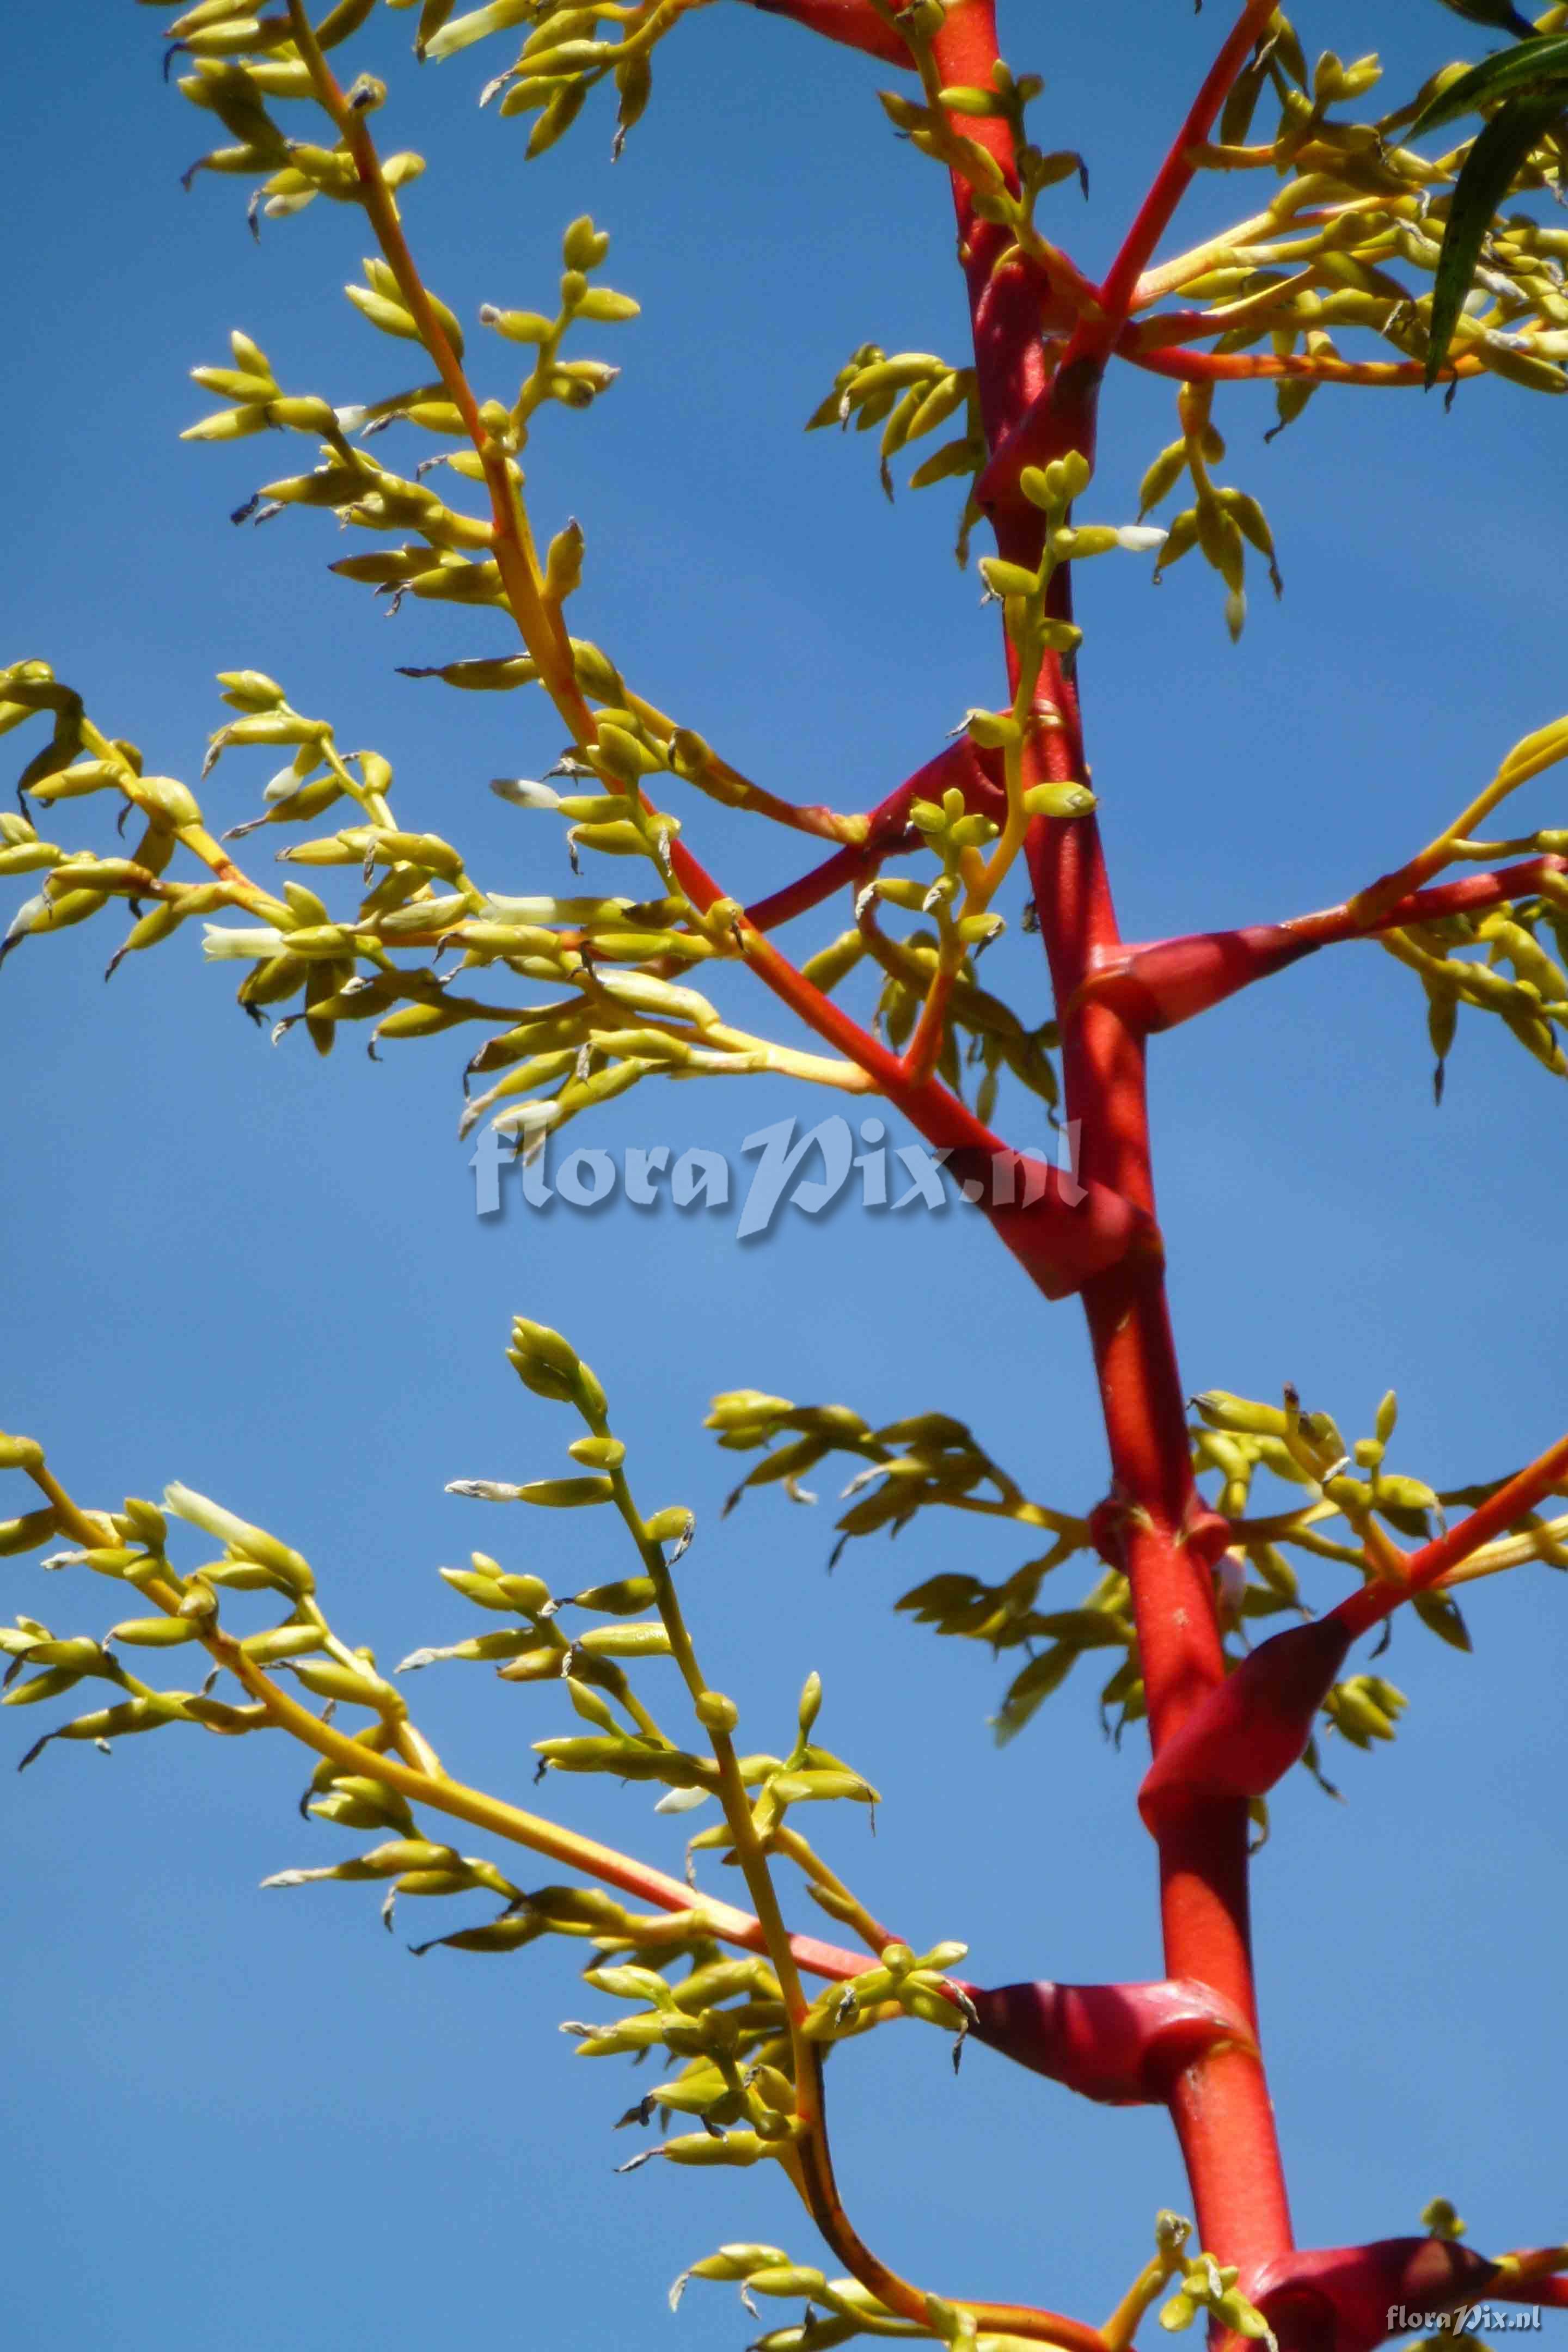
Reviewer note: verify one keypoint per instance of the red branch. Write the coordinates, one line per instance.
(847, 868)
(1244, 1734)
(1155, 986)
(1177, 172)
(1062, 1232)
(1035, 434)
(1427, 1567)
(888, 829)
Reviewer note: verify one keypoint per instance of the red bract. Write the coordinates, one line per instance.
(1123, 2045)
(1247, 1731)
(1350, 2298)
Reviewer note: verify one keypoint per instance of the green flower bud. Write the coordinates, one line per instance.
(1066, 800)
(565, 1494)
(697, 2148)
(517, 326)
(622, 1599)
(600, 304)
(27, 1533)
(543, 1360)
(1004, 579)
(328, 1679)
(1221, 1410)
(804, 1788)
(154, 1632)
(795, 2279)
(583, 246)
(649, 1640)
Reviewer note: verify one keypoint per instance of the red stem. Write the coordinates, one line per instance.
(1061, 1231)
(1155, 986)
(1061, 417)
(1219, 2102)
(887, 830)
(847, 868)
(1031, 438)
(1175, 173)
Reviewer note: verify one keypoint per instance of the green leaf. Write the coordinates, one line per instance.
(1535, 68)
(1488, 175)
(1441, 1614)
(1039, 1678)
(1501, 13)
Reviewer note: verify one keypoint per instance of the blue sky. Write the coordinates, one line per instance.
(263, 1275)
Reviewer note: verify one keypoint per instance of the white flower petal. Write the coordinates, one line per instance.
(682, 1800)
(523, 793)
(528, 1118)
(223, 944)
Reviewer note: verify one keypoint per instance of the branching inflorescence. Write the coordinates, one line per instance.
(1356, 230)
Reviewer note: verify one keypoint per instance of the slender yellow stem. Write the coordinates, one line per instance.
(1548, 1542)
(874, 1935)
(412, 1745)
(539, 622)
(984, 876)
(541, 625)
(732, 1794)
(1172, 276)
(437, 1789)
(807, 2161)
(1529, 758)
(1123, 2323)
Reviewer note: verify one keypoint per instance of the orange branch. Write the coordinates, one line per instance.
(1422, 1570)
(1252, 367)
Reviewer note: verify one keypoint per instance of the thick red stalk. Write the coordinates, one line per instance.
(1219, 2102)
